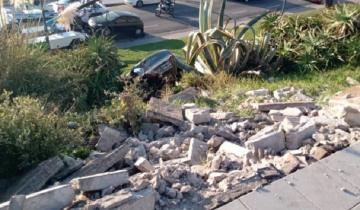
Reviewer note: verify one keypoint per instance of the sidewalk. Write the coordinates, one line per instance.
(332, 183)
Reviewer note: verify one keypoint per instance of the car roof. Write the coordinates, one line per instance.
(124, 13)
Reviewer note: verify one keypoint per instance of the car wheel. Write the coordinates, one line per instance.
(139, 32)
(75, 43)
(139, 3)
(106, 31)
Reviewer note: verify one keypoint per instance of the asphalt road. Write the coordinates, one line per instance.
(186, 14)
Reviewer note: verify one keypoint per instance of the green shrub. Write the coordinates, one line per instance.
(29, 135)
(126, 109)
(67, 79)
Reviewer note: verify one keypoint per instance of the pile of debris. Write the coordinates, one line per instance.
(194, 158)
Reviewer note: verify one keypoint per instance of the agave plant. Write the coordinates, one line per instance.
(342, 21)
(223, 48)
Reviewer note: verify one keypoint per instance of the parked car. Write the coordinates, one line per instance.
(6, 19)
(28, 12)
(140, 3)
(96, 9)
(68, 39)
(112, 23)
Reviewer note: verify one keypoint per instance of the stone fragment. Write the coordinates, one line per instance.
(352, 81)
(197, 151)
(110, 138)
(188, 94)
(149, 129)
(52, 198)
(274, 140)
(318, 153)
(161, 111)
(292, 112)
(165, 131)
(36, 179)
(258, 92)
(264, 107)
(188, 106)
(101, 164)
(125, 200)
(226, 133)
(222, 115)
(300, 97)
(215, 177)
(70, 165)
(215, 141)
(100, 181)
(144, 165)
(284, 93)
(289, 124)
(289, 163)
(169, 152)
(294, 139)
(198, 115)
(352, 116)
(17, 202)
(216, 162)
(230, 149)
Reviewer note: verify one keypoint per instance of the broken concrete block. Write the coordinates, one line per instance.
(52, 198)
(215, 177)
(231, 149)
(226, 133)
(215, 141)
(318, 153)
(264, 107)
(188, 94)
(17, 202)
(222, 115)
(36, 179)
(102, 163)
(109, 138)
(144, 165)
(162, 111)
(352, 116)
(274, 140)
(100, 181)
(125, 200)
(258, 93)
(165, 131)
(289, 124)
(292, 112)
(70, 165)
(197, 151)
(289, 163)
(198, 115)
(294, 139)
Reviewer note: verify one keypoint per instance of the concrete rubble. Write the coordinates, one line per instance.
(185, 157)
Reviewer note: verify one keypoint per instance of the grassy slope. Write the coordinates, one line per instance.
(133, 55)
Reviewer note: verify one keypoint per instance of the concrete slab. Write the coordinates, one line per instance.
(233, 205)
(277, 196)
(324, 188)
(343, 164)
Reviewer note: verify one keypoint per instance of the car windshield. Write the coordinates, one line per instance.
(150, 61)
(110, 16)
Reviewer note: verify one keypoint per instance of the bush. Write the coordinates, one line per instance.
(30, 135)
(126, 109)
(69, 79)
(318, 42)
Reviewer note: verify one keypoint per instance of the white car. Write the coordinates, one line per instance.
(68, 39)
(60, 5)
(30, 12)
(140, 3)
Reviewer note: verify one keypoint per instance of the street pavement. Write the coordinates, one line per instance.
(186, 16)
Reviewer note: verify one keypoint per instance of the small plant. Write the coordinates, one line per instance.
(223, 48)
(30, 135)
(126, 110)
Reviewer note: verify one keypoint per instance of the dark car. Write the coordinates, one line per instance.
(157, 70)
(112, 23)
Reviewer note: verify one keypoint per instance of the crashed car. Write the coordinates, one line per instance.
(159, 69)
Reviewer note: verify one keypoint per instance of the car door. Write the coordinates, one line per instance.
(120, 25)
